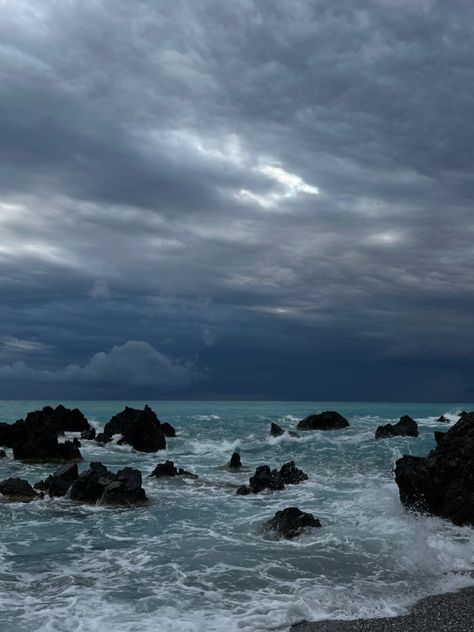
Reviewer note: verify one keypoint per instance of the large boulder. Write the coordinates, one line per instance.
(406, 427)
(443, 482)
(139, 428)
(41, 445)
(276, 430)
(290, 522)
(99, 485)
(17, 489)
(168, 469)
(328, 420)
(58, 483)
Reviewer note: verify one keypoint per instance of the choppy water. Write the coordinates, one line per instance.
(196, 558)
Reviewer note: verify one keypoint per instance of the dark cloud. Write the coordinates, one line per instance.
(281, 192)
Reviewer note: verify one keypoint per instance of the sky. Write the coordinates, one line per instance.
(256, 199)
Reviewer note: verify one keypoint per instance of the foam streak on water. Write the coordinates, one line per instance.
(196, 558)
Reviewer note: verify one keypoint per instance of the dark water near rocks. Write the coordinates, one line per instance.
(196, 558)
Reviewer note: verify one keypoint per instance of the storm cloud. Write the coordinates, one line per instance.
(275, 199)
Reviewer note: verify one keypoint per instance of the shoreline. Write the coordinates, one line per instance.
(447, 612)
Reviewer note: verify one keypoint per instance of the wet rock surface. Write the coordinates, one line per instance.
(139, 428)
(168, 469)
(265, 478)
(443, 482)
(290, 522)
(17, 489)
(327, 420)
(406, 427)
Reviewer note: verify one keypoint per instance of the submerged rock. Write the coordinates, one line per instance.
(168, 468)
(328, 420)
(264, 478)
(235, 463)
(443, 419)
(443, 482)
(139, 428)
(406, 427)
(17, 489)
(290, 522)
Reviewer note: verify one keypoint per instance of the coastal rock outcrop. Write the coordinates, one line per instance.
(327, 420)
(290, 522)
(58, 483)
(406, 427)
(443, 482)
(41, 445)
(17, 489)
(139, 428)
(167, 469)
(265, 478)
(443, 419)
(235, 463)
(98, 484)
(276, 430)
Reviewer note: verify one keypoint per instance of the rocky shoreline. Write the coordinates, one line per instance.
(448, 612)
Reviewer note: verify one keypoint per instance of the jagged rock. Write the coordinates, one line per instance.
(125, 489)
(443, 419)
(139, 428)
(291, 474)
(58, 483)
(463, 413)
(235, 463)
(276, 430)
(328, 420)
(41, 445)
(169, 469)
(406, 427)
(88, 435)
(291, 521)
(17, 489)
(168, 429)
(439, 436)
(90, 484)
(443, 482)
(3, 454)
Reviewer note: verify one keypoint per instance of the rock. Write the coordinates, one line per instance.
(276, 430)
(139, 428)
(292, 433)
(58, 483)
(235, 463)
(291, 474)
(168, 429)
(463, 413)
(125, 489)
(328, 420)
(163, 470)
(291, 521)
(3, 454)
(443, 482)
(88, 435)
(90, 484)
(264, 478)
(439, 436)
(443, 419)
(406, 427)
(17, 489)
(41, 445)
(243, 490)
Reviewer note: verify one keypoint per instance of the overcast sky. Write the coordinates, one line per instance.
(246, 198)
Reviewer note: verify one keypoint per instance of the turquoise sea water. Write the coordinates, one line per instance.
(196, 558)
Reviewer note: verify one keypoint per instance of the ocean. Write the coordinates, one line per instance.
(197, 559)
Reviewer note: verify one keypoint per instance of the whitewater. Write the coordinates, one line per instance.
(197, 558)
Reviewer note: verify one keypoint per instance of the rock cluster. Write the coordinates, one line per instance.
(328, 420)
(264, 478)
(163, 470)
(406, 427)
(139, 428)
(35, 438)
(96, 485)
(290, 522)
(443, 482)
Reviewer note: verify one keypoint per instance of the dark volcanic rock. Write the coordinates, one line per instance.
(443, 482)
(17, 489)
(290, 522)
(328, 420)
(97, 484)
(168, 429)
(139, 428)
(291, 474)
(439, 436)
(3, 454)
(276, 430)
(443, 419)
(406, 427)
(235, 463)
(88, 435)
(163, 470)
(42, 446)
(58, 483)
